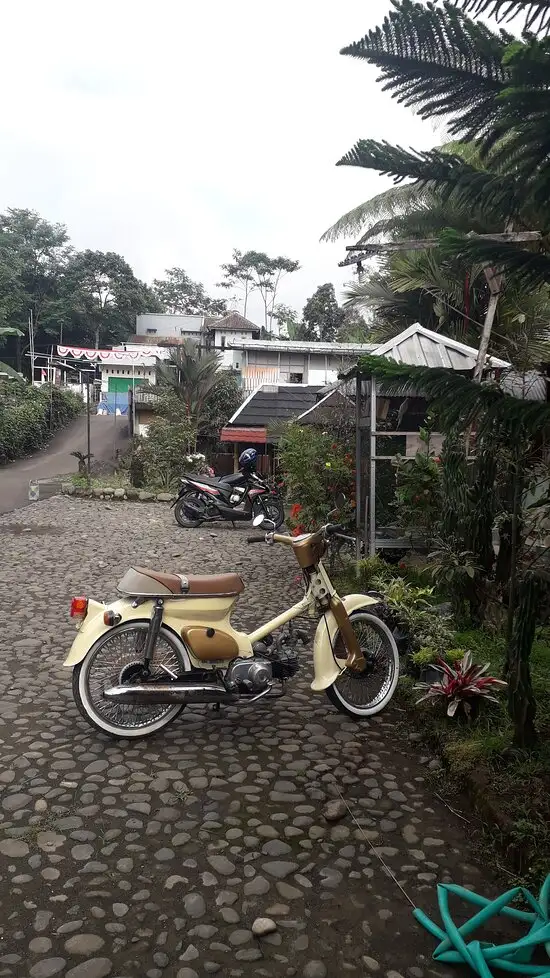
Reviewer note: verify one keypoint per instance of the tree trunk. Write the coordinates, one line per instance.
(521, 701)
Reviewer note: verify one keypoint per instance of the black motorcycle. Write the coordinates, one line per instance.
(237, 498)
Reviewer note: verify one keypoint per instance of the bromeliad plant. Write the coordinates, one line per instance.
(461, 685)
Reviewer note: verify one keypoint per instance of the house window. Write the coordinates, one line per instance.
(151, 332)
(296, 378)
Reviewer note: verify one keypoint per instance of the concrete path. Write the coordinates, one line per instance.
(107, 434)
(157, 858)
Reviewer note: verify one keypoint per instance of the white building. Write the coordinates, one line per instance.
(169, 326)
(291, 361)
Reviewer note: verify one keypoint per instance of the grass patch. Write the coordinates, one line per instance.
(117, 480)
(510, 787)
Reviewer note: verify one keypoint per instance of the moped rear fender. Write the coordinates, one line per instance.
(324, 666)
(93, 627)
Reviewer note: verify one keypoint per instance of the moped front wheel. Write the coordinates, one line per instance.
(363, 694)
(117, 658)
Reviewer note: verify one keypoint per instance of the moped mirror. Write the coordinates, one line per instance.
(340, 501)
(258, 520)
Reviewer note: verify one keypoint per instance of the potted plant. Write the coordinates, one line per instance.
(461, 687)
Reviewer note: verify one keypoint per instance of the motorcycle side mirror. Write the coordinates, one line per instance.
(340, 501)
(258, 520)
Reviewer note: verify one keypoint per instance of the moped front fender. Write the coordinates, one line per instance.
(324, 666)
(93, 627)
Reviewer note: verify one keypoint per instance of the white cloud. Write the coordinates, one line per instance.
(173, 131)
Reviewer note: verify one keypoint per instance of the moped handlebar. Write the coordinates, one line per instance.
(257, 539)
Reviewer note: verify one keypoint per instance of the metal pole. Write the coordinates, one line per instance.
(372, 481)
(133, 399)
(358, 392)
(88, 439)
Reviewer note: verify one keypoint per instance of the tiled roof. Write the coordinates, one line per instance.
(277, 403)
(233, 321)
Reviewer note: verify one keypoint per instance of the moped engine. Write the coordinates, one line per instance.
(249, 675)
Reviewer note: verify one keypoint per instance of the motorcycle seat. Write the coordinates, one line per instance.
(229, 480)
(144, 582)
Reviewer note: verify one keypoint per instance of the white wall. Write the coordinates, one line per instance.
(146, 374)
(167, 325)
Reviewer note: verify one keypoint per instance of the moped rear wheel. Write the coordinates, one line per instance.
(363, 694)
(116, 658)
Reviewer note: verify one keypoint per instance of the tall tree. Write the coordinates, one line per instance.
(288, 321)
(239, 274)
(255, 271)
(104, 295)
(178, 293)
(322, 316)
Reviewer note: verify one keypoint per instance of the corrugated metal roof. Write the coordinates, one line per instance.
(420, 347)
(531, 386)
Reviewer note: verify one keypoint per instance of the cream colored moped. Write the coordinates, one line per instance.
(169, 642)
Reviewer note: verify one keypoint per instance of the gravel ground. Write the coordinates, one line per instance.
(205, 849)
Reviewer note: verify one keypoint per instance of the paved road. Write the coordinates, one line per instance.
(107, 434)
(155, 859)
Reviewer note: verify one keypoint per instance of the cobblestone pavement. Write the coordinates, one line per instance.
(160, 858)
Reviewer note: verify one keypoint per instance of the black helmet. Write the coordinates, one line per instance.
(247, 459)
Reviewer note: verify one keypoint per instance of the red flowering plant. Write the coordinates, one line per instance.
(462, 686)
(318, 466)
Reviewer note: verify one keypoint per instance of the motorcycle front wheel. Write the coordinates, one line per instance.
(363, 694)
(180, 513)
(116, 658)
(272, 509)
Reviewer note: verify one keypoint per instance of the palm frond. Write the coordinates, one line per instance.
(395, 200)
(435, 60)
(481, 190)
(537, 12)
(531, 267)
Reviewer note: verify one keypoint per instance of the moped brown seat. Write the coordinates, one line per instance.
(142, 581)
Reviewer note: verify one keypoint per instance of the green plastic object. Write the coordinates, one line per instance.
(514, 958)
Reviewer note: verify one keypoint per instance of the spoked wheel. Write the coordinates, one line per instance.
(117, 658)
(362, 694)
(272, 509)
(181, 515)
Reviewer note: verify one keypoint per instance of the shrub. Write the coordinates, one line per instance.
(418, 491)
(28, 416)
(318, 465)
(165, 455)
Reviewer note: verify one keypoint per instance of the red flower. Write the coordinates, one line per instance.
(402, 565)
(437, 460)
(298, 530)
(294, 510)
(334, 447)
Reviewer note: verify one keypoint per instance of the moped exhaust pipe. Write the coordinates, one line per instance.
(171, 692)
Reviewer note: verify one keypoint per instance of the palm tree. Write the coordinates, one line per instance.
(192, 377)
(492, 88)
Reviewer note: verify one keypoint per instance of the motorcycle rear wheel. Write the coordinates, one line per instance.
(363, 694)
(109, 658)
(273, 510)
(179, 511)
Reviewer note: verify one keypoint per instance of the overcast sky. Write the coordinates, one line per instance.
(174, 131)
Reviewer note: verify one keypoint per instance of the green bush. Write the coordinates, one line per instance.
(318, 465)
(165, 454)
(28, 416)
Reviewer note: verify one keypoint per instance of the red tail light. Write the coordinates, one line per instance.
(79, 608)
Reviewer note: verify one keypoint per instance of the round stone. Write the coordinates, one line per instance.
(14, 848)
(40, 945)
(84, 944)
(50, 966)
(93, 968)
(263, 926)
(315, 969)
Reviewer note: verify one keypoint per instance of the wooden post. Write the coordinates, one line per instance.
(358, 481)
(235, 457)
(372, 476)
